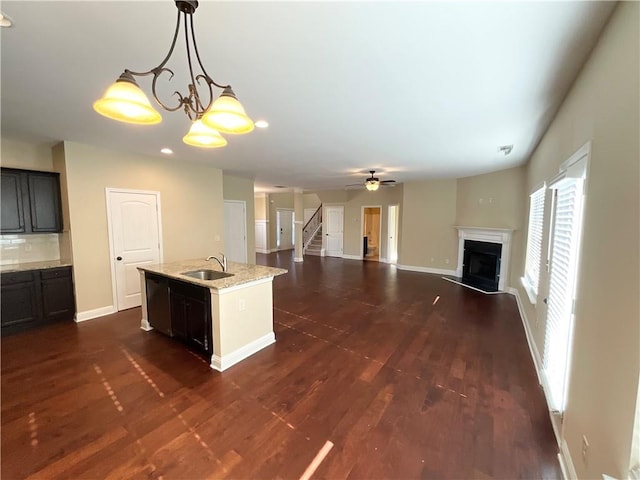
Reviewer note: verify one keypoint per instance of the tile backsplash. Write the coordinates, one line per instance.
(29, 248)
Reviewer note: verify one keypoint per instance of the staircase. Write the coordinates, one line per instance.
(315, 246)
(312, 234)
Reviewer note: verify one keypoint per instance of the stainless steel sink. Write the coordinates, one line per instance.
(207, 274)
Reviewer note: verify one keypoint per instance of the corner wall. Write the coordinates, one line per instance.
(601, 107)
(192, 211)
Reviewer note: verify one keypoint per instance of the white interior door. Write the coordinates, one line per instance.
(285, 229)
(134, 228)
(235, 230)
(392, 229)
(334, 231)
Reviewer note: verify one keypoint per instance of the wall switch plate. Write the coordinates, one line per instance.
(242, 305)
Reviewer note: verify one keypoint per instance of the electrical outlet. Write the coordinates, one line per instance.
(585, 450)
(446, 260)
(242, 305)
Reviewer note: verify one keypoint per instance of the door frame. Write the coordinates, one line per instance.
(244, 206)
(293, 227)
(396, 228)
(379, 207)
(108, 192)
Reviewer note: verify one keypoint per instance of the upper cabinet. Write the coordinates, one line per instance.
(30, 202)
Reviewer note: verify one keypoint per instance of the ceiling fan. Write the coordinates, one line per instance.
(373, 183)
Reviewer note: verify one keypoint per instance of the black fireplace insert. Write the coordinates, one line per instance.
(481, 264)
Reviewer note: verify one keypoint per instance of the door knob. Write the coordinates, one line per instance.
(118, 258)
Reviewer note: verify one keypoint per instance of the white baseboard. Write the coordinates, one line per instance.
(437, 271)
(95, 313)
(298, 259)
(222, 363)
(566, 463)
(533, 349)
(351, 257)
(262, 250)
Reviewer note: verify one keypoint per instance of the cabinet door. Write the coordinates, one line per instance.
(12, 215)
(44, 196)
(158, 303)
(198, 324)
(178, 315)
(19, 300)
(57, 294)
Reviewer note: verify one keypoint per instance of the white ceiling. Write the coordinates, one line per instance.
(415, 90)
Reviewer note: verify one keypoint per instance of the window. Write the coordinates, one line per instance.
(564, 256)
(534, 244)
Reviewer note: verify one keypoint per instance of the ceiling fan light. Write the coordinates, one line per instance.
(200, 135)
(227, 115)
(372, 186)
(126, 102)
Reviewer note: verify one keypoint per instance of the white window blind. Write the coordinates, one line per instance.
(560, 303)
(534, 242)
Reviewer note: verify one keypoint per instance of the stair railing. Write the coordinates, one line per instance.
(311, 227)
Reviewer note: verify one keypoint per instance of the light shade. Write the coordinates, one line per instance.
(372, 186)
(202, 136)
(227, 115)
(126, 102)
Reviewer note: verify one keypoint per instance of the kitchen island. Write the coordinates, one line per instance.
(225, 319)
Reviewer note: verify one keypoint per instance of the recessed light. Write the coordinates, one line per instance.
(279, 186)
(5, 21)
(262, 124)
(166, 151)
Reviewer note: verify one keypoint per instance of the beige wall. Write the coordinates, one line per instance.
(311, 200)
(191, 201)
(428, 212)
(496, 200)
(353, 201)
(25, 155)
(260, 207)
(602, 107)
(237, 188)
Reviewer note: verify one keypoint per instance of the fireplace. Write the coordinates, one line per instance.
(481, 264)
(486, 264)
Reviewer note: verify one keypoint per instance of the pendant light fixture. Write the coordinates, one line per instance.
(126, 102)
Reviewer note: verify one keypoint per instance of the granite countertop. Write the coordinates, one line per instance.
(242, 272)
(24, 267)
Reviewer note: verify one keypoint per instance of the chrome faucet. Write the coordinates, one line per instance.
(223, 262)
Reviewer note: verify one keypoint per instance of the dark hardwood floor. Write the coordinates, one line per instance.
(408, 375)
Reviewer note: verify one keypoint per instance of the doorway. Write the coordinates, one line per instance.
(285, 230)
(371, 233)
(133, 220)
(235, 230)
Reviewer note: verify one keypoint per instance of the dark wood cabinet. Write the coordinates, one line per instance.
(12, 215)
(36, 297)
(57, 294)
(19, 299)
(44, 202)
(158, 303)
(191, 315)
(30, 202)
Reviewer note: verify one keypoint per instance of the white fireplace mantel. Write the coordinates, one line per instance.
(490, 235)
